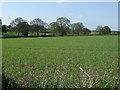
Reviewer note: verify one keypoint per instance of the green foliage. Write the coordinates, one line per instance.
(4, 28)
(54, 27)
(17, 21)
(8, 27)
(63, 24)
(38, 25)
(56, 61)
(77, 27)
(8, 82)
(23, 27)
(103, 30)
(106, 30)
(36, 28)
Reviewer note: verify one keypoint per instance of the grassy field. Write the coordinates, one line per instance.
(62, 62)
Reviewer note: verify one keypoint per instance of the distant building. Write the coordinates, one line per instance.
(112, 32)
(115, 32)
(95, 32)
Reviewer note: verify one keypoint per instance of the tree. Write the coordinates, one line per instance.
(73, 28)
(106, 30)
(8, 27)
(99, 28)
(63, 25)
(53, 26)
(36, 28)
(4, 29)
(46, 27)
(0, 22)
(86, 31)
(103, 30)
(77, 27)
(23, 27)
(38, 25)
(15, 22)
(0, 26)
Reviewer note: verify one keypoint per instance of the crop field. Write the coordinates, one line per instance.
(62, 62)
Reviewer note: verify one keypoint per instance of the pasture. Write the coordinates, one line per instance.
(62, 62)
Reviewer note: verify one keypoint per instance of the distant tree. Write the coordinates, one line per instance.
(15, 22)
(46, 28)
(103, 30)
(23, 27)
(8, 27)
(73, 28)
(86, 31)
(0, 26)
(63, 25)
(99, 28)
(36, 28)
(106, 30)
(0, 22)
(13, 29)
(4, 29)
(77, 27)
(38, 25)
(54, 27)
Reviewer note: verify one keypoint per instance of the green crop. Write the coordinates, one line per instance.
(62, 62)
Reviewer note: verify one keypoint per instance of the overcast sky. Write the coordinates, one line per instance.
(91, 14)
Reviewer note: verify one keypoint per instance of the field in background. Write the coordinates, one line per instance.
(76, 61)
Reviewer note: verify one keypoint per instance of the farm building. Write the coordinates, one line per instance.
(95, 32)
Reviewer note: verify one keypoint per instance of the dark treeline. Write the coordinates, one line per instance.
(61, 26)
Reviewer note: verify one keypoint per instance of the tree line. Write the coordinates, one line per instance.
(62, 26)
